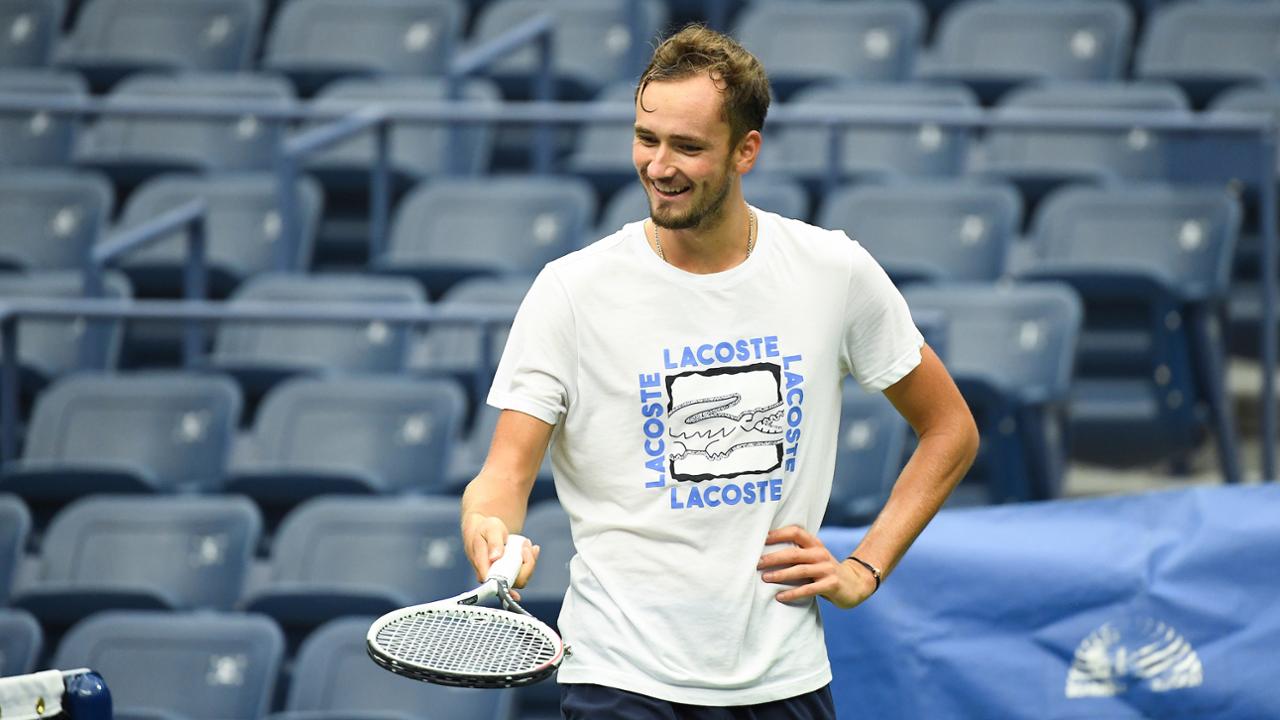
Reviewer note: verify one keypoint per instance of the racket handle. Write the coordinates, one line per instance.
(507, 567)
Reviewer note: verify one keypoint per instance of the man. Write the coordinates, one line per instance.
(688, 368)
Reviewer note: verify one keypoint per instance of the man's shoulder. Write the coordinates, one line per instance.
(817, 243)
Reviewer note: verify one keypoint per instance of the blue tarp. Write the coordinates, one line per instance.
(1161, 605)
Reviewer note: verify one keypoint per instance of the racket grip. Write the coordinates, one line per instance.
(508, 566)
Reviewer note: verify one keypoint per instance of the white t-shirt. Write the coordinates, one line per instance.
(694, 413)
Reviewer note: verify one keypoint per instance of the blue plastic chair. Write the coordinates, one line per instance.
(15, 524)
(336, 556)
(449, 230)
(1207, 46)
(242, 228)
(1152, 265)
(994, 46)
(316, 41)
(591, 47)
(29, 32)
(39, 138)
(115, 38)
(140, 433)
(874, 153)
(805, 41)
(133, 148)
(771, 193)
(49, 218)
(869, 455)
(176, 666)
(21, 641)
(1011, 351)
(142, 553)
(455, 350)
(367, 435)
(930, 232)
(333, 679)
(601, 150)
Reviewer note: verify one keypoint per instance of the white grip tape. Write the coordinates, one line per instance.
(507, 567)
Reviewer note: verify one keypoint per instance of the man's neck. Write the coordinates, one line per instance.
(707, 250)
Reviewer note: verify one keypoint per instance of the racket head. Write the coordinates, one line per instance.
(465, 645)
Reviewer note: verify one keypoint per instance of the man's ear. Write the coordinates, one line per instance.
(747, 152)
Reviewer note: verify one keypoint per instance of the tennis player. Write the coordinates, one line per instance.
(686, 373)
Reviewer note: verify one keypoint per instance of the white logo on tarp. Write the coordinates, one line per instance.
(1139, 652)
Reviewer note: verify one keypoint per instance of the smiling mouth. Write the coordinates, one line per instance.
(668, 191)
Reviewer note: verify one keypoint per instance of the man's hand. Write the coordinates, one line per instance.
(485, 538)
(814, 569)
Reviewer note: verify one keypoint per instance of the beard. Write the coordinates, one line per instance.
(704, 213)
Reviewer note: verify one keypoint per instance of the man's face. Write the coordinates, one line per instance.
(681, 151)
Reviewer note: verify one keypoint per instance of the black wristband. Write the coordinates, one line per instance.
(875, 571)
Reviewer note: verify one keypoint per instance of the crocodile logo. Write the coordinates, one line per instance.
(725, 422)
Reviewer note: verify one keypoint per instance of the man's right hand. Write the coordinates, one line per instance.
(485, 539)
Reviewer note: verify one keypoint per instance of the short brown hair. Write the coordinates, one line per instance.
(741, 78)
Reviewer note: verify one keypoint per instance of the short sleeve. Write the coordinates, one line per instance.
(536, 374)
(881, 343)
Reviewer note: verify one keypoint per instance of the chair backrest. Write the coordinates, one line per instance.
(401, 430)
(456, 348)
(242, 143)
(419, 149)
(409, 37)
(15, 523)
(771, 193)
(1232, 41)
(194, 552)
(499, 225)
(806, 41)
(407, 547)
(869, 455)
(592, 41)
(53, 347)
(927, 150)
(29, 32)
(203, 666)
(176, 427)
(20, 642)
(333, 678)
(948, 231)
(370, 347)
(242, 226)
(209, 35)
(1184, 237)
(1021, 338)
(1060, 40)
(39, 138)
(1137, 153)
(50, 218)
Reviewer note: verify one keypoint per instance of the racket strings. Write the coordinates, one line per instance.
(463, 641)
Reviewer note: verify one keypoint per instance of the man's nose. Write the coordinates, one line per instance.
(660, 164)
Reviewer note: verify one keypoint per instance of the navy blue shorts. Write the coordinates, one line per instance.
(596, 702)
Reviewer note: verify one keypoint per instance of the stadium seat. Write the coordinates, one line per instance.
(546, 525)
(49, 218)
(142, 553)
(591, 46)
(454, 350)
(39, 137)
(805, 41)
(21, 641)
(1038, 160)
(1011, 351)
(145, 432)
(771, 193)
(994, 46)
(316, 41)
(930, 232)
(1207, 46)
(601, 150)
(133, 148)
(115, 38)
(15, 524)
(261, 354)
(449, 230)
(179, 666)
(241, 230)
(29, 32)
(869, 455)
(874, 153)
(334, 680)
(336, 556)
(1152, 265)
(349, 435)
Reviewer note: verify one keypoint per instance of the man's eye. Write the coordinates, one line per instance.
(645, 140)
(690, 148)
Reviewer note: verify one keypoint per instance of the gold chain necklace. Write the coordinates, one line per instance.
(751, 239)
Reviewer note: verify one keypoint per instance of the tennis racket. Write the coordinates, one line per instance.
(458, 642)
